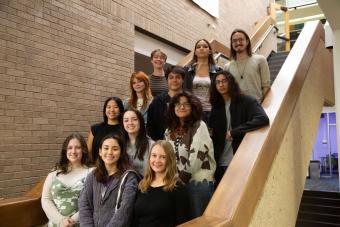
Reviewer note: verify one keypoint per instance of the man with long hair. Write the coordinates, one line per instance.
(250, 70)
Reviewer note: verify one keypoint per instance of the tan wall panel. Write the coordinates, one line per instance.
(280, 199)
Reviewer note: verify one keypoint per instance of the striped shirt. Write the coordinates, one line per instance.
(158, 84)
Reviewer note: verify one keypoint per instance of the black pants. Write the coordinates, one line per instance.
(220, 170)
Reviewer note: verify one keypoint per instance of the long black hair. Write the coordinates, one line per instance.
(142, 142)
(119, 104)
(234, 91)
(211, 60)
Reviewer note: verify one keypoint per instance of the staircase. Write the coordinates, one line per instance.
(275, 61)
(319, 209)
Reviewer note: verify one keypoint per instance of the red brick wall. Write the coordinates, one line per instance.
(60, 59)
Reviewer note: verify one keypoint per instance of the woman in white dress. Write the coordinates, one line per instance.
(62, 186)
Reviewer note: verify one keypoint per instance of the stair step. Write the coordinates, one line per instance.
(312, 208)
(310, 223)
(325, 218)
(323, 194)
(275, 62)
(321, 201)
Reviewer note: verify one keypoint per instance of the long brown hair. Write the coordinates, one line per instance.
(62, 166)
(211, 59)
(123, 163)
(171, 176)
(232, 51)
(142, 142)
(147, 96)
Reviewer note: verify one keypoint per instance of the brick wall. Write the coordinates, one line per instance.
(60, 59)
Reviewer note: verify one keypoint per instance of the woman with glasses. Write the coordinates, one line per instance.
(232, 116)
(190, 138)
(200, 72)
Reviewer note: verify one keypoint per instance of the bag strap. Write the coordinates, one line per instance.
(120, 189)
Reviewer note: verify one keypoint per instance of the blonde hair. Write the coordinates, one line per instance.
(147, 96)
(171, 176)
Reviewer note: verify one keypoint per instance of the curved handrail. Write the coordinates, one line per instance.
(260, 31)
(236, 197)
(25, 210)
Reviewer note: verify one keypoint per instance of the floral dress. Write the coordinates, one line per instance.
(66, 198)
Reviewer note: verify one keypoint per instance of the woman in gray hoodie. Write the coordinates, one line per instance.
(108, 196)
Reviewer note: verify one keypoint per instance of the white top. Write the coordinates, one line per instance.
(227, 154)
(200, 88)
(69, 180)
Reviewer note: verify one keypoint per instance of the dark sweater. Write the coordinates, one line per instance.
(161, 209)
(246, 115)
(158, 116)
(99, 131)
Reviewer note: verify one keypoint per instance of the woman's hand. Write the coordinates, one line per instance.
(67, 222)
(228, 136)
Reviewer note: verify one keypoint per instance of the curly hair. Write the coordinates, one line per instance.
(62, 166)
(123, 163)
(147, 96)
(234, 91)
(174, 124)
(142, 143)
(170, 178)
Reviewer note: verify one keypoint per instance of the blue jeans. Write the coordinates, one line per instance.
(200, 194)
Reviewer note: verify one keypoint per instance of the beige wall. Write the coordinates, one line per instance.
(60, 59)
(280, 200)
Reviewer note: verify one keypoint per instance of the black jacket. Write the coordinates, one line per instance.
(158, 116)
(190, 74)
(246, 115)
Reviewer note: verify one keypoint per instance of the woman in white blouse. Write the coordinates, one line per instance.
(62, 186)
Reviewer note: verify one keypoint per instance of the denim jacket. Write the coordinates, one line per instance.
(191, 71)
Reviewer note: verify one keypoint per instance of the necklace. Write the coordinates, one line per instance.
(244, 68)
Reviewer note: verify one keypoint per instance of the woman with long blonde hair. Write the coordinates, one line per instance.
(162, 198)
(140, 97)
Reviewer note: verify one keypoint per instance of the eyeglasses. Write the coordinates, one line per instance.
(221, 82)
(185, 105)
(240, 40)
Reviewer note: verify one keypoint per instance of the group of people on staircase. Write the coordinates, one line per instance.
(158, 156)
